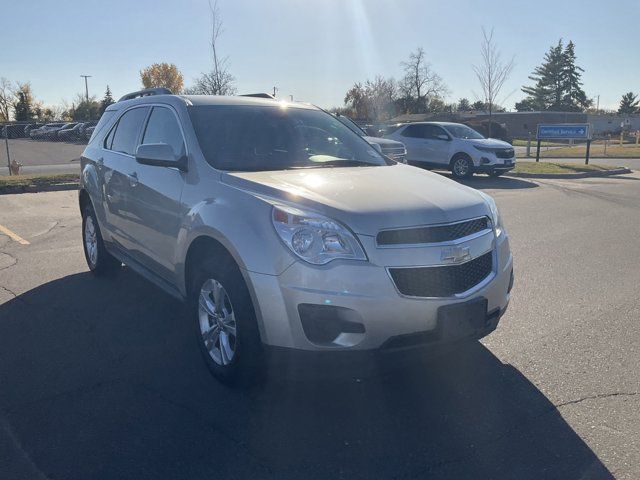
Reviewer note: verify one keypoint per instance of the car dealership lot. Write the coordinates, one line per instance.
(102, 379)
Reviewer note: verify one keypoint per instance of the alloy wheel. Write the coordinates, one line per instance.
(91, 241)
(217, 322)
(461, 167)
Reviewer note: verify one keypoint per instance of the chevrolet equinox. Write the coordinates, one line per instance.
(287, 232)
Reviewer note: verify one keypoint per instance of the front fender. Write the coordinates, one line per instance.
(240, 222)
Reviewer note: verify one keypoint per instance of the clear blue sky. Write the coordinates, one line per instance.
(312, 49)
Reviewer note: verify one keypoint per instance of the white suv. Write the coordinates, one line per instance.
(453, 146)
(286, 232)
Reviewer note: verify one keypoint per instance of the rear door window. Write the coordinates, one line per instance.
(127, 131)
(432, 131)
(414, 131)
(163, 127)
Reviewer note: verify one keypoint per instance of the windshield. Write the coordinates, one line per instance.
(462, 131)
(255, 138)
(352, 125)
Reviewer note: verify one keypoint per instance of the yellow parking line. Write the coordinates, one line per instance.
(13, 236)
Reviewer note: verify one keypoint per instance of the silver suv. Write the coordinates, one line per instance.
(286, 232)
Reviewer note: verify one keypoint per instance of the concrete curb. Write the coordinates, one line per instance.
(13, 189)
(595, 173)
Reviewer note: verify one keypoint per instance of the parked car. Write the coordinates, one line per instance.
(453, 146)
(286, 233)
(83, 129)
(12, 130)
(88, 132)
(31, 126)
(391, 148)
(47, 132)
(70, 132)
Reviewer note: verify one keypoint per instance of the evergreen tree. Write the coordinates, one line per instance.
(547, 92)
(558, 85)
(106, 101)
(464, 105)
(23, 107)
(629, 103)
(575, 99)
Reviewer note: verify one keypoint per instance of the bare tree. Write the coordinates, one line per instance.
(420, 83)
(492, 72)
(218, 81)
(7, 96)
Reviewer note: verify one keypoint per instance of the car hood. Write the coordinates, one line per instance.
(383, 141)
(491, 143)
(367, 199)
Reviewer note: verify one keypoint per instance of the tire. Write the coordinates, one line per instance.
(495, 174)
(461, 166)
(99, 261)
(222, 312)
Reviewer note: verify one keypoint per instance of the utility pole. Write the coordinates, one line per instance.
(598, 104)
(86, 86)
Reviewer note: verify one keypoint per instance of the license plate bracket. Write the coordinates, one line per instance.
(463, 319)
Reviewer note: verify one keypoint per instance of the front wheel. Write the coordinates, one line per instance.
(226, 326)
(461, 167)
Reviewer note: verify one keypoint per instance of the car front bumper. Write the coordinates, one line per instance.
(488, 163)
(363, 293)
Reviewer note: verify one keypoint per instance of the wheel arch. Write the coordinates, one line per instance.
(83, 199)
(205, 244)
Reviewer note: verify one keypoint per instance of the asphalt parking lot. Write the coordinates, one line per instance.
(41, 152)
(102, 378)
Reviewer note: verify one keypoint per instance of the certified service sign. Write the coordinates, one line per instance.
(566, 131)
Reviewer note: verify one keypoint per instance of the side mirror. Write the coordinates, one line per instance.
(442, 136)
(160, 155)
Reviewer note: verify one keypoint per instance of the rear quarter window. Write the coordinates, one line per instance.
(105, 119)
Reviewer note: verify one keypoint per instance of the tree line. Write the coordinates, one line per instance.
(18, 103)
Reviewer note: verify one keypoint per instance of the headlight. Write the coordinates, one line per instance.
(495, 214)
(315, 238)
(485, 149)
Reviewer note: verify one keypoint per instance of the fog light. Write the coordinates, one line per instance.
(485, 160)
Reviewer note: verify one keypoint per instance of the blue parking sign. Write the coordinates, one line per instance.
(566, 131)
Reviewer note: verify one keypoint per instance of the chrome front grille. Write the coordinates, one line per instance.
(432, 233)
(505, 153)
(443, 280)
(395, 153)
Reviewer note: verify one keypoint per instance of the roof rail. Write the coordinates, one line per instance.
(259, 95)
(146, 92)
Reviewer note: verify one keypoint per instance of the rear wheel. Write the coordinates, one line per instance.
(461, 166)
(226, 326)
(100, 261)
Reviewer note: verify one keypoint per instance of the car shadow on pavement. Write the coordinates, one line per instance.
(499, 183)
(101, 378)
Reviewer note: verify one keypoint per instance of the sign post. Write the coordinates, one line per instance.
(564, 131)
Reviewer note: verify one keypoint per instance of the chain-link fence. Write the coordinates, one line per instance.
(27, 146)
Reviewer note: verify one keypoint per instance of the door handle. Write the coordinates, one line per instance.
(133, 179)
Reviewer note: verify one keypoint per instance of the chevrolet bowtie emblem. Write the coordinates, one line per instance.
(455, 254)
